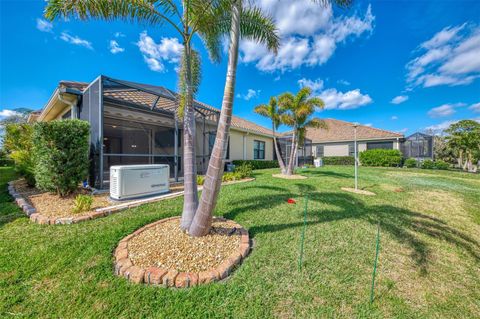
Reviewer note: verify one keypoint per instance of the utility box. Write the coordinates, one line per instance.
(318, 162)
(135, 181)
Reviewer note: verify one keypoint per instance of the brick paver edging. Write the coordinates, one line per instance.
(172, 278)
(38, 218)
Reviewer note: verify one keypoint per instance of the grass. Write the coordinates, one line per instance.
(429, 261)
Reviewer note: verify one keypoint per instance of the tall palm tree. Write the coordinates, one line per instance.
(194, 17)
(296, 112)
(249, 23)
(272, 112)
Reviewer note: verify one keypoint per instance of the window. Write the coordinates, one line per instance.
(211, 142)
(351, 149)
(258, 150)
(320, 151)
(380, 145)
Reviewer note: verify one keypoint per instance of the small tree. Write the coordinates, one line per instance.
(18, 145)
(296, 112)
(464, 139)
(61, 153)
(272, 112)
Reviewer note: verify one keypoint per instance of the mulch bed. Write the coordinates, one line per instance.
(162, 254)
(294, 176)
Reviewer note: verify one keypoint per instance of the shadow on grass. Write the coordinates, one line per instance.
(406, 226)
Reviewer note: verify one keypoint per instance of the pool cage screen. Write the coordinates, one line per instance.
(418, 146)
(134, 123)
(304, 153)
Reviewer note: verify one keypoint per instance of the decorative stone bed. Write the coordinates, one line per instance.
(102, 206)
(161, 254)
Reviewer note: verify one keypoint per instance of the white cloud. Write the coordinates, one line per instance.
(251, 93)
(334, 99)
(309, 34)
(115, 47)
(76, 40)
(119, 35)
(475, 107)
(399, 99)
(403, 130)
(440, 127)
(343, 82)
(450, 57)
(168, 50)
(444, 110)
(315, 85)
(394, 117)
(44, 25)
(368, 124)
(8, 113)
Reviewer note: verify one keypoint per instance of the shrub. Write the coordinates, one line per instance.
(339, 160)
(82, 203)
(61, 152)
(200, 179)
(257, 164)
(441, 165)
(381, 157)
(244, 170)
(18, 145)
(428, 164)
(411, 162)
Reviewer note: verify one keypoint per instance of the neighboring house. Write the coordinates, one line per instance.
(133, 123)
(338, 139)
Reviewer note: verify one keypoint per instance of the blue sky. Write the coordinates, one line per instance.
(402, 66)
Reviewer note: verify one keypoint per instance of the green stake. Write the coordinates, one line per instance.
(303, 234)
(375, 263)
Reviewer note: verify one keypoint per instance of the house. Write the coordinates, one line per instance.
(133, 123)
(337, 139)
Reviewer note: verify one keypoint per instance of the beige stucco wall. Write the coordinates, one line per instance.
(241, 145)
(362, 147)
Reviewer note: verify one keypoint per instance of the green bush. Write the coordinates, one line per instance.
(257, 164)
(428, 164)
(82, 203)
(200, 179)
(381, 157)
(18, 144)
(244, 170)
(61, 152)
(441, 165)
(411, 163)
(339, 160)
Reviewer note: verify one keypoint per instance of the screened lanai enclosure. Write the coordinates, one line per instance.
(304, 153)
(418, 146)
(134, 123)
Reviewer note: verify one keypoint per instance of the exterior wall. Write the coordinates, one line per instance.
(341, 148)
(362, 146)
(241, 145)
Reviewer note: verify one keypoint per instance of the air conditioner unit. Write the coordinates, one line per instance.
(134, 181)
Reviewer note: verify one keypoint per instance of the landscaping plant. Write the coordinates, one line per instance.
(381, 157)
(18, 145)
(411, 163)
(82, 203)
(427, 164)
(61, 153)
(339, 160)
(464, 139)
(441, 165)
(256, 164)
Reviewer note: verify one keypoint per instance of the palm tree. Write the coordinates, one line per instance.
(252, 24)
(296, 112)
(195, 17)
(272, 112)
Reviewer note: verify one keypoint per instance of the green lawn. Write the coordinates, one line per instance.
(429, 262)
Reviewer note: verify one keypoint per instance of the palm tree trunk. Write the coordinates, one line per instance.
(190, 201)
(292, 153)
(202, 221)
(281, 163)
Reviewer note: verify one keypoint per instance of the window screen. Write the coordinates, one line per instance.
(379, 145)
(320, 151)
(258, 150)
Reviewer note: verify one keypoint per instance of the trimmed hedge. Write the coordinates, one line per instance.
(339, 160)
(257, 164)
(428, 164)
(441, 165)
(381, 157)
(61, 154)
(411, 163)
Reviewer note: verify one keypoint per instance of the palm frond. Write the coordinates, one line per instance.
(262, 110)
(286, 101)
(287, 119)
(256, 26)
(316, 123)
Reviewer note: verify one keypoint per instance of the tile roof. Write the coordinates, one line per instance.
(344, 131)
(147, 100)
